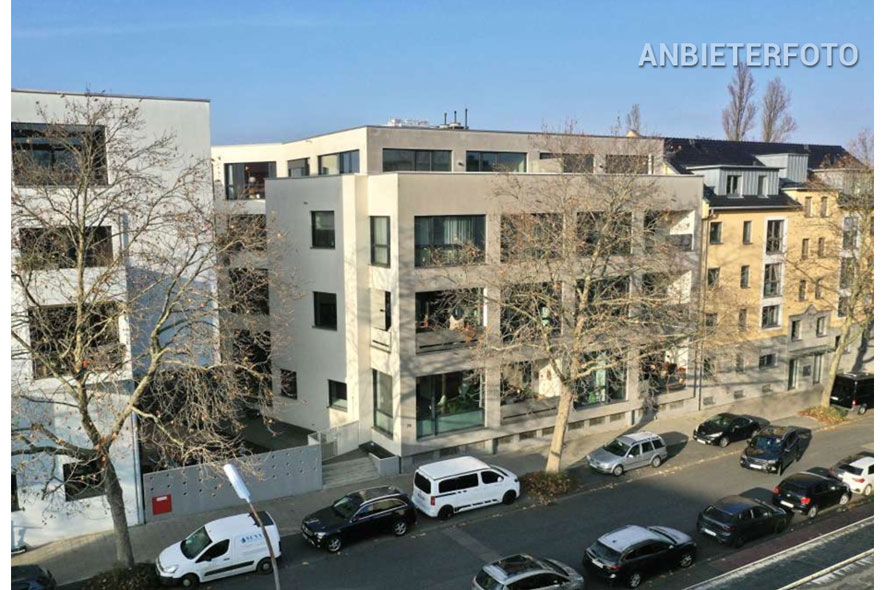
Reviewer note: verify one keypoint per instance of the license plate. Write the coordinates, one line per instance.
(597, 562)
(701, 441)
(834, 397)
(755, 466)
(709, 532)
(788, 504)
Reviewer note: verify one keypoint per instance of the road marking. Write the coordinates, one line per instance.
(481, 550)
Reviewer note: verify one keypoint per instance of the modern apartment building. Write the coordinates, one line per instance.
(60, 497)
(352, 218)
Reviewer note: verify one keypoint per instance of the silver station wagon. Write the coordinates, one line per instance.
(629, 451)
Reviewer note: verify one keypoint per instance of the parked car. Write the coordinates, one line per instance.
(443, 488)
(811, 491)
(220, 548)
(365, 513)
(32, 577)
(725, 428)
(525, 572)
(772, 449)
(857, 471)
(632, 553)
(736, 520)
(629, 451)
(853, 391)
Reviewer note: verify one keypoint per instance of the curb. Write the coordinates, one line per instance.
(828, 570)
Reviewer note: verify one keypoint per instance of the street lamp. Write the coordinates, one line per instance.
(243, 493)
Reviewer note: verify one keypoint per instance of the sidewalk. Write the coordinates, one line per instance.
(79, 558)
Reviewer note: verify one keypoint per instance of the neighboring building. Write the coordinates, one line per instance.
(74, 506)
(351, 217)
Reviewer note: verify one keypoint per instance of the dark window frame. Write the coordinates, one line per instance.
(338, 395)
(322, 239)
(40, 138)
(375, 246)
(716, 235)
(433, 164)
(479, 161)
(323, 319)
(82, 480)
(289, 383)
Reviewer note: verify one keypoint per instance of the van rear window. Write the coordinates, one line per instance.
(422, 483)
(266, 519)
(850, 468)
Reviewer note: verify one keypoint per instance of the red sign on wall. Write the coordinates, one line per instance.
(161, 504)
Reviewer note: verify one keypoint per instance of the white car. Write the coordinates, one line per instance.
(857, 471)
(443, 488)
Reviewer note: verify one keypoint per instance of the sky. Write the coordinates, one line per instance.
(278, 71)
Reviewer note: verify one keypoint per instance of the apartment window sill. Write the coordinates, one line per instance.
(322, 248)
(326, 328)
(339, 408)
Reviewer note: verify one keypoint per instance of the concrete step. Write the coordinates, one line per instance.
(348, 472)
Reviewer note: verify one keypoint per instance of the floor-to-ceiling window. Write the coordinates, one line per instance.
(448, 402)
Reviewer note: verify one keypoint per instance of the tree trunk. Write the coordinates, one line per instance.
(114, 495)
(863, 349)
(834, 366)
(555, 454)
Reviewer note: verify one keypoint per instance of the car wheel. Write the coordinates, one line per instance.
(333, 544)
(509, 497)
(813, 511)
(738, 541)
(265, 566)
(868, 490)
(656, 461)
(687, 559)
(724, 442)
(862, 409)
(400, 527)
(634, 580)
(844, 499)
(445, 513)
(618, 470)
(190, 581)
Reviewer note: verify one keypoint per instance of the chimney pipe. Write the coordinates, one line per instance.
(466, 117)
(445, 114)
(455, 116)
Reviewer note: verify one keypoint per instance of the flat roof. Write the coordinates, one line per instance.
(107, 95)
(452, 466)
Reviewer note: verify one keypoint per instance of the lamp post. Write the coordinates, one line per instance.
(243, 493)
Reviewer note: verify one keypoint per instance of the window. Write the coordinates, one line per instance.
(52, 248)
(83, 479)
(323, 229)
(821, 247)
(710, 320)
(772, 280)
(774, 235)
(380, 240)
(340, 163)
(449, 240)
(47, 155)
(299, 167)
(601, 385)
(739, 363)
(15, 505)
(821, 326)
(732, 184)
(847, 272)
(249, 290)
(801, 291)
(289, 383)
(215, 551)
(448, 402)
(535, 236)
(824, 206)
(394, 160)
(796, 330)
(808, 206)
(716, 236)
(383, 401)
(746, 229)
(850, 233)
(713, 277)
(247, 180)
(246, 232)
(496, 162)
(767, 360)
(745, 276)
(842, 307)
(338, 395)
(817, 362)
(708, 367)
(616, 228)
(818, 289)
(53, 332)
(325, 314)
(627, 164)
(761, 185)
(770, 317)
(490, 477)
(253, 351)
(743, 319)
(457, 311)
(804, 252)
(572, 163)
(518, 382)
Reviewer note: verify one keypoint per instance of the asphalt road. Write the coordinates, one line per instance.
(441, 556)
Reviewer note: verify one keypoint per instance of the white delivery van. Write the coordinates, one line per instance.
(221, 548)
(455, 485)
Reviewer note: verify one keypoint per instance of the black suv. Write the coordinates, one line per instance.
(853, 391)
(811, 491)
(723, 429)
(631, 553)
(736, 520)
(772, 449)
(359, 514)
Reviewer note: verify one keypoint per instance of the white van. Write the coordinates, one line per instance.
(221, 548)
(455, 485)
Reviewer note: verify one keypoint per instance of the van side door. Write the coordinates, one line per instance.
(492, 485)
(215, 562)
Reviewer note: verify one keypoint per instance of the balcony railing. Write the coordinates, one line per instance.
(442, 339)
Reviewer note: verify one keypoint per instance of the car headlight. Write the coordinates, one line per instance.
(168, 570)
(713, 434)
(320, 534)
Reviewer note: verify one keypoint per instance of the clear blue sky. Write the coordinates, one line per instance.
(283, 70)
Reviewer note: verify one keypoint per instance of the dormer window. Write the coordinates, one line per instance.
(732, 184)
(761, 185)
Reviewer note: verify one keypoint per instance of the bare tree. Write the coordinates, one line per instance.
(123, 225)
(776, 122)
(738, 117)
(593, 284)
(633, 120)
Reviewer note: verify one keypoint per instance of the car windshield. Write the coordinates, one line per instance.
(720, 421)
(196, 543)
(346, 507)
(616, 447)
(605, 552)
(766, 443)
(849, 468)
(555, 567)
(486, 581)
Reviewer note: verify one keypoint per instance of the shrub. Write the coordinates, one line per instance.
(545, 487)
(825, 414)
(140, 577)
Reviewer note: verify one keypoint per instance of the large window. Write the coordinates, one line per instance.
(535, 236)
(249, 290)
(772, 280)
(716, 236)
(774, 236)
(448, 402)
(325, 314)
(607, 234)
(770, 316)
(519, 382)
(53, 331)
(299, 167)
(253, 351)
(451, 239)
(340, 163)
(383, 401)
(323, 229)
(247, 232)
(394, 160)
(529, 311)
(83, 479)
(338, 395)
(380, 240)
(572, 163)
(51, 248)
(496, 162)
(602, 385)
(46, 155)
(627, 164)
(247, 180)
(850, 233)
(447, 319)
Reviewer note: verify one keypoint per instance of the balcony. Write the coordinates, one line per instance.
(444, 339)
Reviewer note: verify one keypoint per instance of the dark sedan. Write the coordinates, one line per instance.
(811, 491)
(772, 449)
(32, 577)
(632, 553)
(735, 520)
(361, 514)
(725, 428)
